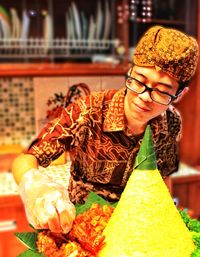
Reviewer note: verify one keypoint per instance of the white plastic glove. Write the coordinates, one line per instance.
(46, 202)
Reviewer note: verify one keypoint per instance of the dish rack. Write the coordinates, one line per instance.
(55, 48)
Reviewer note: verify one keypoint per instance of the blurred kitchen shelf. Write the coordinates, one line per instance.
(56, 48)
(46, 68)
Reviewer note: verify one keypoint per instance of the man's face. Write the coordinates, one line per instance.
(141, 107)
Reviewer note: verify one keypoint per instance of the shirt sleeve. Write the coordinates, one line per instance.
(57, 136)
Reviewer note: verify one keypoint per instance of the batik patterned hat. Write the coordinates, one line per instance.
(168, 50)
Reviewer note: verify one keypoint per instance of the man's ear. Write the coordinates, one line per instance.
(184, 92)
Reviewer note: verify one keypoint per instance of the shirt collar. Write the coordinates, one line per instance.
(114, 118)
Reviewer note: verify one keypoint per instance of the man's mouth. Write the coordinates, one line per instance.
(142, 108)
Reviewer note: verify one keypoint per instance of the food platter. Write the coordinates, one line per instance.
(89, 247)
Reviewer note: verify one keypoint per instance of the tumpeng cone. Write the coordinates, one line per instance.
(146, 223)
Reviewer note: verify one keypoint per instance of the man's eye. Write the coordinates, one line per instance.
(163, 89)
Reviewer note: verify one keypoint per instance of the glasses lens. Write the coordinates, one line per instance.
(160, 97)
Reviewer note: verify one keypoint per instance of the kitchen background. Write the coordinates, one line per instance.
(48, 46)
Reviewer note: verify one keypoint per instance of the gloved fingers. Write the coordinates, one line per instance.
(50, 217)
(67, 214)
(47, 203)
(42, 212)
(54, 224)
(65, 204)
(65, 221)
(32, 210)
(51, 222)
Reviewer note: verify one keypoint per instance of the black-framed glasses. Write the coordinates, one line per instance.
(156, 95)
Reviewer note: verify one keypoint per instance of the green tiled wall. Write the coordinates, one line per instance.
(17, 119)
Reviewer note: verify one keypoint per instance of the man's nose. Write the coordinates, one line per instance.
(146, 96)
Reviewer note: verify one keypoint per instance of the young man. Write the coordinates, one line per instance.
(104, 131)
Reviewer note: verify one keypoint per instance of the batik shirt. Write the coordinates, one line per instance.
(102, 150)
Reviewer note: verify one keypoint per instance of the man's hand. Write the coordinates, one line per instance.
(46, 203)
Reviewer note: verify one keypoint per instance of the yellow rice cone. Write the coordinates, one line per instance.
(146, 223)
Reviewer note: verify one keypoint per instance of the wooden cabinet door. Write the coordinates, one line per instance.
(187, 190)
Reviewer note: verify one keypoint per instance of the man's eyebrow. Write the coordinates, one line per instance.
(159, 83)
(140, 74)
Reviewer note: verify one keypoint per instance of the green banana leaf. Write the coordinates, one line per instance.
(92, 198)
(28, 238)
(146, 158)
(30, 253)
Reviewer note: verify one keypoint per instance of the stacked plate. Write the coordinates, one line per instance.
(5, 24)
(79, 26)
